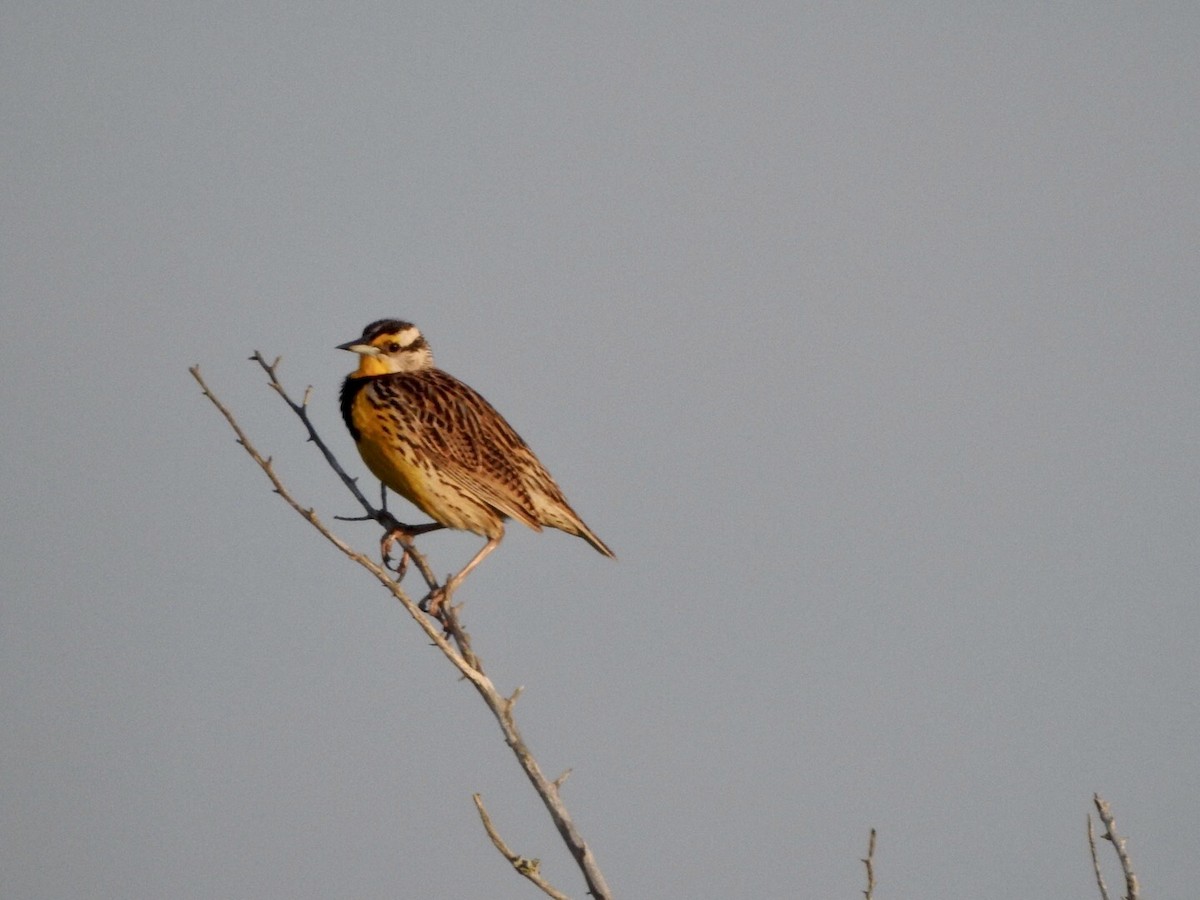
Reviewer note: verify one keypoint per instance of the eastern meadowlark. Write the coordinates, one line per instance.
(440, 445)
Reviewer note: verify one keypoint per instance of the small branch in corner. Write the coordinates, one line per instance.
(869, 862)
(1096, 860)
(1132, 891)
(529, 868)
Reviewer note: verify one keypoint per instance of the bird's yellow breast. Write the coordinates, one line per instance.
(387, 456)
(394, 458)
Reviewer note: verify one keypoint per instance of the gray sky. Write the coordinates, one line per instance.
(866, 336)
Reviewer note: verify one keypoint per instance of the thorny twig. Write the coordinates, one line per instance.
(380, 515)
(396, 530)
(459, 653)
(869, 862)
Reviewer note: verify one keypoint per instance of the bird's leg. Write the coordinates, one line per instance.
(436, 599)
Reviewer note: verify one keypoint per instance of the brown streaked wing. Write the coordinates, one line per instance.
(503, 449)
(468, 442)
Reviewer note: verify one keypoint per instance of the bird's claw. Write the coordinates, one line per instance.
(385, 548)
(438, 598)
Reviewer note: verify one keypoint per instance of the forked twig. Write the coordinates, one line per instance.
(382, 574)
(380, 515)
(530, 868)
(459, 653)
(1119, 844)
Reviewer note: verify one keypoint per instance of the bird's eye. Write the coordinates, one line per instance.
(393, 347)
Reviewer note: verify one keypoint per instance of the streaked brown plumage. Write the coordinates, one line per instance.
(438, 443)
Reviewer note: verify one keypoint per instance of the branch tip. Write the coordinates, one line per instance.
(1132, 891)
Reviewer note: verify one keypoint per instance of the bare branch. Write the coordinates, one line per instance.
(1096, 860)
(301, 410)
(1118, 842)
(448, 616)
(386, 519)
(459, 652)
(869, 862)
(530, 868)
(380, 573)
(394, 527)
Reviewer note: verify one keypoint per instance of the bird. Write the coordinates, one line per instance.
(439, 444)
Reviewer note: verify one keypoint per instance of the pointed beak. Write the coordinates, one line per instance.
(357, 346)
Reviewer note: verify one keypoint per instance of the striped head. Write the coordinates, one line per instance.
(390, 346)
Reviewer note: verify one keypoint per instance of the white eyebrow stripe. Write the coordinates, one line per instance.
(408, 336)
